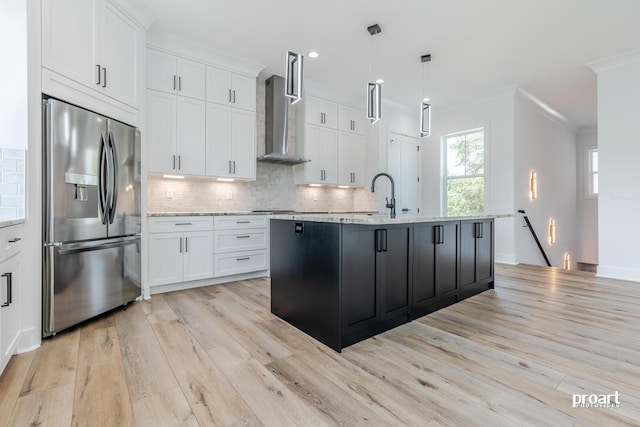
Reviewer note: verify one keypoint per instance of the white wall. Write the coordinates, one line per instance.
(586, 208)
(619, 154)
(548, 147)
(496, 116)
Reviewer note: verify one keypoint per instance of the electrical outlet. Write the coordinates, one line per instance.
(315, 196)
(169, 193)
(229, 194)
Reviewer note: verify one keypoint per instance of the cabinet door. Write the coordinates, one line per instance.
(191, 78)
(446, 266)
(329, 155)
(161, 131)
(424, 278)
(476, 255)
(161, 71)
(219, 86)
(243, 90)
(351, 156)
(467, 253)
(198, 255)
(321, 112)
(313, 170)
(118, 55)
(351, 120)
(218, 140)
(190, 135)
(484, 251)
(69, 33)
(243, 143)
(394, 270)
(165, 258)
(9, 314)
(360, 296)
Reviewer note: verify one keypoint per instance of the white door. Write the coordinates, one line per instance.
(351, 159)
(69, 34)
(404, 167)
(198, 255)
(219, 86)
(190, 135)
(166, 253)
(119, 40)
(161, 71)
(161, 131)
(218, 146)
(243, 143)
(191, 78)
(243, 92)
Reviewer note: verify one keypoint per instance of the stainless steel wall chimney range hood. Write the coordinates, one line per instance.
(277, 118)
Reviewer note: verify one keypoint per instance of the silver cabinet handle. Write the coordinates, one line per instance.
(229, 96)
(14, 240)
(182, 223)
(243, 222)
(234, 96)
(104, 80)
(174, 82)
(179, 84)
(174, 161)
(243, 259)
(243, 237)
(234, 165)
(229, 166)
(186, 244)
(9, 299)
(181, 245)
(98, 79)
(179, 162)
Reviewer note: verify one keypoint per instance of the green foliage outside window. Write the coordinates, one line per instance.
(465, 173)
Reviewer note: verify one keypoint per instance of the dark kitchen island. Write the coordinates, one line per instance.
(344, 278)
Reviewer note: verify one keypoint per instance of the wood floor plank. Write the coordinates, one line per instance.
(165, 409)
(157, 310)
(101, 394)
(11, 381)
(146, 368)
(213, 399)
(50, 407)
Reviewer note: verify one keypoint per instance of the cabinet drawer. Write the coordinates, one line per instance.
(240, 240)
(180, 223)
(10, 241)
(240, 222)
(240, 262)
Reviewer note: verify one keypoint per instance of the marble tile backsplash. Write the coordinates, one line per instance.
(274, 187)
(12, 183)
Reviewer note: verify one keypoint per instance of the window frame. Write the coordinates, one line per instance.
(445, 169)
(589, 173)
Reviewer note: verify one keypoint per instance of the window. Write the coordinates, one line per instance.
(464, 180)
(592, 177)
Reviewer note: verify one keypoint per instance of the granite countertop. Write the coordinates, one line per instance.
(377, 218)
(10, 222)
(263, 212)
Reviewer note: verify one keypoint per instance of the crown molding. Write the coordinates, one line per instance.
(614, 62)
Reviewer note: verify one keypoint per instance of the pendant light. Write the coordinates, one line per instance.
(293, 76)
(425, 104)
(374, 90)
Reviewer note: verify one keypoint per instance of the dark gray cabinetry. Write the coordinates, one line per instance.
(435, 266)
(376, 279)
(476, 257)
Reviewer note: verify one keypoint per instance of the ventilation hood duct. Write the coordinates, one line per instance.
(277, 118)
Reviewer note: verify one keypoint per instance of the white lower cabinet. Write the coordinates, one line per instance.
(10, 273)
(180, 249)
(241, 244)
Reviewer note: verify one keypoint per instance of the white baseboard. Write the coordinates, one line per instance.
(207, 282)
(505, 258)
(29, 340)
(611, 272)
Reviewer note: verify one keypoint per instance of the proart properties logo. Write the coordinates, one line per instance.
(597, 400)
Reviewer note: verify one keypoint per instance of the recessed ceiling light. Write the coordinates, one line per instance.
(426, 99)
(379, 81)
(313, 54)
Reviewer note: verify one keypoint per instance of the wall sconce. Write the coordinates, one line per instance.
(552, 231)
(373, 101)
(567, 261)
(533, 185)
(293, 76)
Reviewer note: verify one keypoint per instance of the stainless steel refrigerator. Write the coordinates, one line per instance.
(91, 192)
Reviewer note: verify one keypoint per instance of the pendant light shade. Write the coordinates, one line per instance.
(374, 98)
(293, 76)
(425, 119)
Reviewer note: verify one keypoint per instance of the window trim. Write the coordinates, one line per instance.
(588, 168)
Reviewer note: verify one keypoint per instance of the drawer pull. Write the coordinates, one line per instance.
(243, 222)
(182, 223)
(243, 259)
(242, 237)
(15, 240)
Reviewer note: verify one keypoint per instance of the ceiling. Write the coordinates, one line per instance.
(478, 48)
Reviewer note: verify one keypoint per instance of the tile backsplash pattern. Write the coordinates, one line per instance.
(12, 183)
(274, 187)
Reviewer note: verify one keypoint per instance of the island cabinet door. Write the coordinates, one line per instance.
(435, 267)
(476, 256)
(394, 270)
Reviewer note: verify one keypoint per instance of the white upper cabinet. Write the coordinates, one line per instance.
(93, 43)
(320, 112)
(231, 89)
(351, 120)
(173, 74)
(321, 149)
(351, 159)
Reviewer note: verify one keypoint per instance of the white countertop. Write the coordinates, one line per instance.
(377, 219)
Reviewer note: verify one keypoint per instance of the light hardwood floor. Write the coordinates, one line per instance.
(217, 356)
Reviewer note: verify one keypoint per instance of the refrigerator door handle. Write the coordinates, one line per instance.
(48, 173)
(114, 181)
(103, 188)
(72, 248)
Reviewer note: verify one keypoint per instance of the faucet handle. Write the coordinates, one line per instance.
(390, 205)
